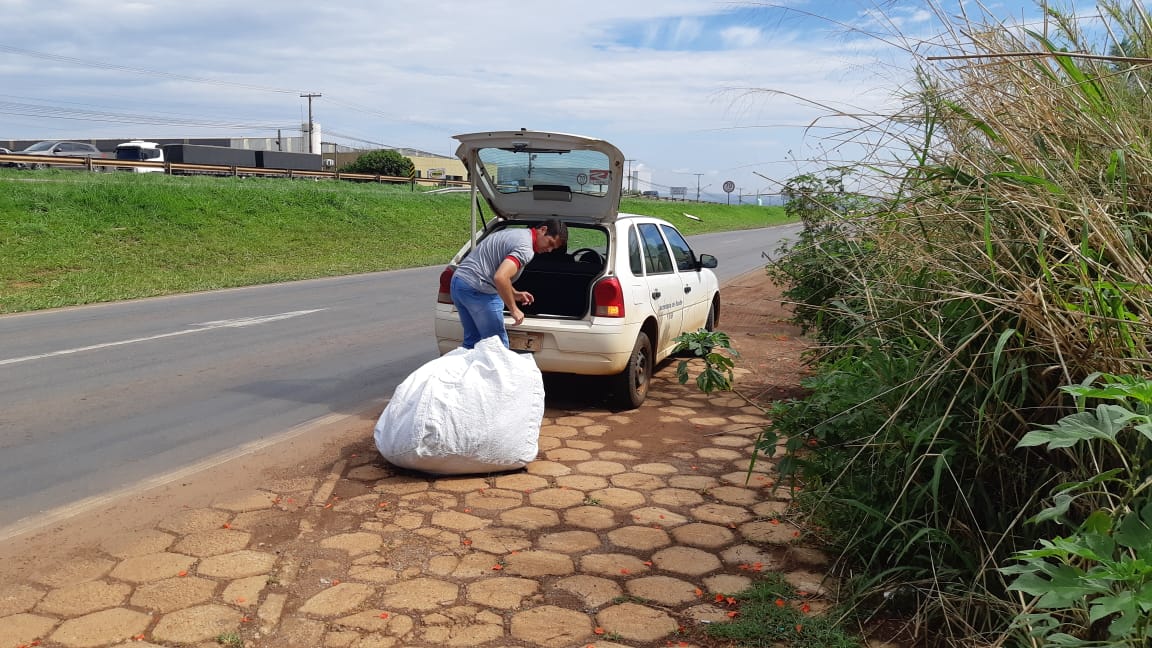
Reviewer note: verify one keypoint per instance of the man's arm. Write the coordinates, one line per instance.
(503, 282)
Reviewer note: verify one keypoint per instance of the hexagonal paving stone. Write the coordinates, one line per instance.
(461, 625)
(699, 534)
(212, 542)
(676, 497)
(558, 431)
(200, 623)
(736, 495)
(337, 600)
(692, 482)
(593, 590)
(239, 564)
(401, 485)
(637, 481)
(500, 540)
(419, 594)
(636, 622)
(137, 543)
(686, 560)
(100, 628)
(613, 564)
(427, 501)
(556, 498)
(639, 538)
(547, 468)
(84, 598)
(569, 542)
(457, 521)
(590, 517)
(662, 590)
(173, 593)
(152, 567)
(727, 583)
(551, 626)
(659, 516)
(194, 520)
(568, 454)
(493, 499)
(656, 469)
(582, 482)
(18, 597)
(530, 517)
(244, 592)
(520, 482)
(354, 544)
(74, 571)
(502, 593)
(745, 554)
(601, 468)
(534, 564)
(618, 498)
(771, 531)
(721, 514)
(21, 629)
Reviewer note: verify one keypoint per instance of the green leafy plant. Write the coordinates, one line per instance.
(715, 349)
(1094, 586)
(230, 639)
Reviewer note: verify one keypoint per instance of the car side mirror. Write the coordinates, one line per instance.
(707, 261)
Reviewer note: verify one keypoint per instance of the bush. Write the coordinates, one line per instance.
(385, 163)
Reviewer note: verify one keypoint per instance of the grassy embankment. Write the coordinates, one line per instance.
(71, 238)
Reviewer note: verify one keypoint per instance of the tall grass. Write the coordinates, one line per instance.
(1009, 259)
(71, 238)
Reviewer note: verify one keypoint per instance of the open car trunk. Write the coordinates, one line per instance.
(560, 283)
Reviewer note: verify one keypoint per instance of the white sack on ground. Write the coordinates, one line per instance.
(468, 411)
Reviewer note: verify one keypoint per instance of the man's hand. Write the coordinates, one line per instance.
(517, 316)
(524, 297)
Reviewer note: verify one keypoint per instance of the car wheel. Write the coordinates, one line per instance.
(710, 323)
(631, 385)
(35, 166)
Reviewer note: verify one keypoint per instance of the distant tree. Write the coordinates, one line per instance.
(388, 163)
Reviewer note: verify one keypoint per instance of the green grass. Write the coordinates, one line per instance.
(772, 613)
(70, 238)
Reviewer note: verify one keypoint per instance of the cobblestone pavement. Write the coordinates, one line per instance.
(618, 535)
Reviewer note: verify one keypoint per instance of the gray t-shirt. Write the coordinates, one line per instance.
(478, 267)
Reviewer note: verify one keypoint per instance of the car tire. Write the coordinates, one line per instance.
(36, 166)
(631, 385)
(710, 323)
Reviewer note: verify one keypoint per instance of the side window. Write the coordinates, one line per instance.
(655, 251)
(685, 260)
(634, 261)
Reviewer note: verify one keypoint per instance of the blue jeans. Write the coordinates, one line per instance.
(481, 313)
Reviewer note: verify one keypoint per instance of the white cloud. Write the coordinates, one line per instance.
(413, 73)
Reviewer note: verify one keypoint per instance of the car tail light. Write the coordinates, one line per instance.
(445, 294)
(608, 298)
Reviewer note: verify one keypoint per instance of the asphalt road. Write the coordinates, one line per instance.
(96, 398)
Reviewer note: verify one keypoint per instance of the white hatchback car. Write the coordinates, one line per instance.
(614, 300)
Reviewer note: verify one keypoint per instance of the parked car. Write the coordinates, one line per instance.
(140, 151)
(613, 301)
(650, 194)
(56, 147)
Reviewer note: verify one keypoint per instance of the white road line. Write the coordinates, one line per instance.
(204, 326)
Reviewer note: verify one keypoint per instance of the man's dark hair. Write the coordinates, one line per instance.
(555, 227)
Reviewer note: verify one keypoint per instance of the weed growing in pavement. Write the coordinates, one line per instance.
(230, 639)
(715, 349)
(772, 612)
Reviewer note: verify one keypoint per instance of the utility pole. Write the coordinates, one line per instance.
(697, 185)
(631, 185)
(310, 96)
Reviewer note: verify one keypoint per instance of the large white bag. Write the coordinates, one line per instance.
(468, 411)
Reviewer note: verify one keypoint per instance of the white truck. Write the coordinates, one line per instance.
(140, 151)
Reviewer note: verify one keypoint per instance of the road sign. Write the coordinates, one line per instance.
(678, 191)
(599, 176)
(729, 186)
(582, 179)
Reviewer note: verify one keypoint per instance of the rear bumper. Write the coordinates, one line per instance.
(592, 347)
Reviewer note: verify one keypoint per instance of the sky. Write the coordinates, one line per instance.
(694, 92)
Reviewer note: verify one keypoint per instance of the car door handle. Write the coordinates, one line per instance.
(687, 289)
(655, 294)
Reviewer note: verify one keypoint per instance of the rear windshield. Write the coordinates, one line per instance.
(526, 169)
